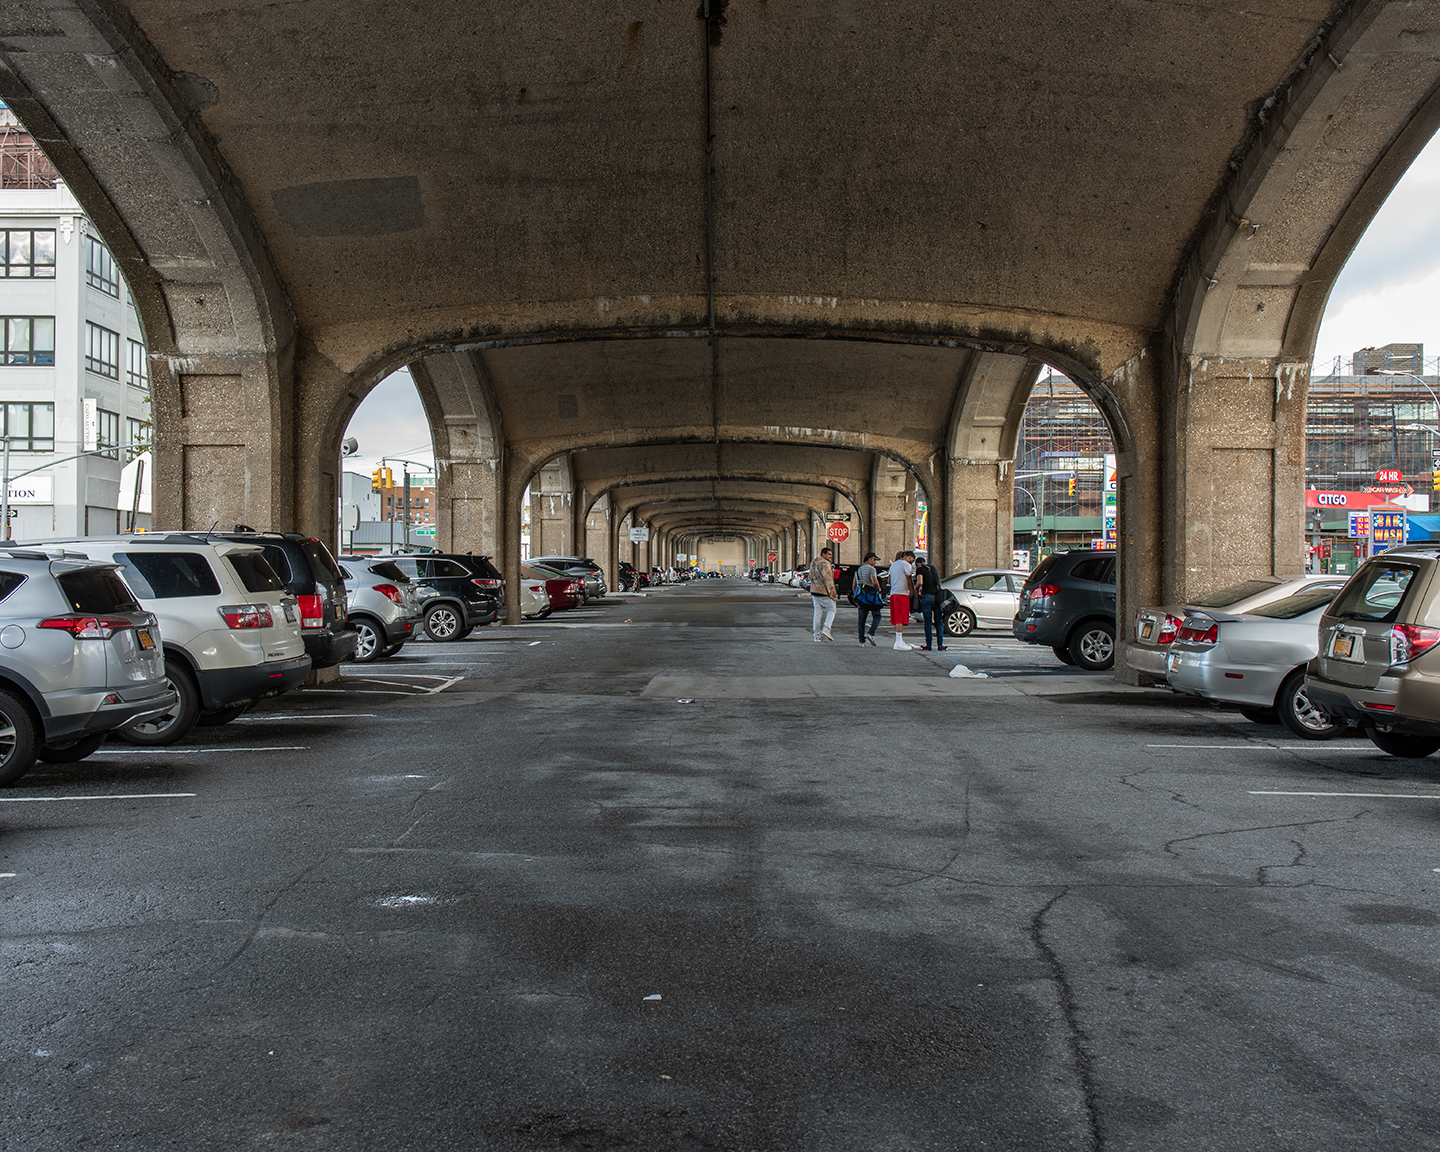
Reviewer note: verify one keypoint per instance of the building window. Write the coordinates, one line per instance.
(102, 354)
(31, 427)
(139, 371)
(27, 254)
(100, 268)
(109, 433)
(137, 435)
(29, 340)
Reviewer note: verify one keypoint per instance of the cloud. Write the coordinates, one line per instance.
(390, 422)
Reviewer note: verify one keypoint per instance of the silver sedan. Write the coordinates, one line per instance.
(984, 598)
(1256, 660)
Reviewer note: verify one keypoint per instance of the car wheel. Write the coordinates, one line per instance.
(174, 725)
(959, 622)
(1302, 717)
(1403, 743)
(368, 641)
(73, 752)
(392, 650)
(17, 739)
(1260, 715)
(1092, 646)
(220, 716)
(1062, 653)
(442, 623)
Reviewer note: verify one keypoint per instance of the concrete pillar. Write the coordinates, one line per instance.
(893, 508)
(552, 517)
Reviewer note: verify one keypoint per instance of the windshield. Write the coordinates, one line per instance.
(1375, 594)
(1234, 594)
(1297, 605)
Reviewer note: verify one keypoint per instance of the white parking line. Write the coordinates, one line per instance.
(197, 751)
(1356, 795)
(311, 716)
(1306, 748)
(128, 796)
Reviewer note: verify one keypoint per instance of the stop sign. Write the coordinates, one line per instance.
(838, 531)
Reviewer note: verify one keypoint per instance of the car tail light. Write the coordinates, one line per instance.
(246, 615)
(1377, 707)
(1408, 641)
(536, 587)
(1042, 590)
(88, 627)
(573, 586)
(1209, 635)
(486, 583)
(1169, 629)
(390, 592)
(312, 612)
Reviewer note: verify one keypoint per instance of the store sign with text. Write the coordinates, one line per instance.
(1348, 501)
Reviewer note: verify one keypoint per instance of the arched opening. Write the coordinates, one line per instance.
(388, 488)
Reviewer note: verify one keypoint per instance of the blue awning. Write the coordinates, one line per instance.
(1424, 526)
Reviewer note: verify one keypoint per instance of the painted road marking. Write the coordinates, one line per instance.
(311, 716)
(1272, 747)
(130, 796)
(196, 751)
(1356, 795)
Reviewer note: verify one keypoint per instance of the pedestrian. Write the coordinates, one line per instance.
(868, 596)
(927, 580)
(902, 584)
(822, 595)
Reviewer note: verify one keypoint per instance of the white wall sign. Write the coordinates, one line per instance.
(639, 535)
(32, 490)
(90, 422)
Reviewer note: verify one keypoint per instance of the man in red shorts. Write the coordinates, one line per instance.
(902, 576)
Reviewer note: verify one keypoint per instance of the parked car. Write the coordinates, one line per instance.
(983, 598)
(382, 606)
(1068, 602)
(1378, 658)
(467, 591)
(79, 657)
(581, 567)
(534, 602)
(563, 592)
(631, 579)
(311, 575)
(229, 627)
(1257, 660)
(1156, 628)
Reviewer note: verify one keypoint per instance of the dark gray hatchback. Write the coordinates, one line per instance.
(1068, 603)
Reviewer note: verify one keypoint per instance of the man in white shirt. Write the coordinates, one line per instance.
(902, 575)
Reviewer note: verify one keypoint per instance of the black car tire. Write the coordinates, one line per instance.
(221, 716)
(369, 642)
(17, 739)
(1260, 715)
(1092, 646)
(390, 651)
(1062, 653)
(444, 622)
(72, 752)
(1302, 717)
(176, 724)
(959, 622)
(1403, 744)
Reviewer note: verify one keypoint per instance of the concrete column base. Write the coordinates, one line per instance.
(321, 676)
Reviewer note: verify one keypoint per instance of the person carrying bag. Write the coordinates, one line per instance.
(868, 597)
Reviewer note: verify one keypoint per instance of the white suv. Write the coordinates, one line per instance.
(230, 630)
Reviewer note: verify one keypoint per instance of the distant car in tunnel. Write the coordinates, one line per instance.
(561, 590)
(983, 598)
(582, 568)
(1068, 602)
(466, 591)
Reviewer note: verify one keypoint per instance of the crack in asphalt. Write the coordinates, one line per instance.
(265, 911)
(1075, 1034)
(1257, 828)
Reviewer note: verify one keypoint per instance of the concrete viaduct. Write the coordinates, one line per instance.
(727, 265)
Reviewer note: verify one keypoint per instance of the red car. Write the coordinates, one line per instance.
(563, 591)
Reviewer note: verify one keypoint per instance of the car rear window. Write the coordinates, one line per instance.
(276, 558)
(1038, 576)
(484, 568)
(1091, 568)
(168, 575)
(9, 581)
(255, 572)
(96, 590)
(389, 571)
(1234, 594)
(1296, 605)
(1376, 593)
(322, 564)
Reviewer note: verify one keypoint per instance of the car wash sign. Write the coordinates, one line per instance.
(1388, 527)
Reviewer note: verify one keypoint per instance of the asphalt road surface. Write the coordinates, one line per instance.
(665, 874)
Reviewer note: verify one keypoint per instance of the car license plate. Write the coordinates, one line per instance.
(1174, 663)
(289, 612)
(146, 640)
(1145, 631)
(1342, 647)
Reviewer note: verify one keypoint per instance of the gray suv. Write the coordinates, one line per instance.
(381, 605)
(1069, 603)
(78, 658)
(1378, 663)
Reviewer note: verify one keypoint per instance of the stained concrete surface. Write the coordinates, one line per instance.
(425, 909)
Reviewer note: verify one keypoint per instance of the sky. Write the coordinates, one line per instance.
(1388, 293)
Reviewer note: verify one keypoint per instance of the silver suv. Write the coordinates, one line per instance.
(382, 606)
(1378, 663)
(78, 658)
(231, 630)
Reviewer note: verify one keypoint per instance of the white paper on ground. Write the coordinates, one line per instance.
(960, 672)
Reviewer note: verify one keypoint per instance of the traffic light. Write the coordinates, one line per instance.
(1072, 486)
(377, 479)
(1435, 481)
(389, 478)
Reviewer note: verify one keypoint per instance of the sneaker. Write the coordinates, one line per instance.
(925, 648)
(862, 643)
(827, 635)
(817, 639)
(941, 648)
(900, 645)
(870, 640)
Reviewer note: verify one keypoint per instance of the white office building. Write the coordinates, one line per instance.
(73, 372)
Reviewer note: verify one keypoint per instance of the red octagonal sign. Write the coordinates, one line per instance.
(838, 531)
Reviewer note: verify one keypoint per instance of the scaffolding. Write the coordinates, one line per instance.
(1060, 465)
(1356, 426)
(22, 164)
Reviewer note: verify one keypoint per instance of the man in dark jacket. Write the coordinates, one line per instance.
(931, 596)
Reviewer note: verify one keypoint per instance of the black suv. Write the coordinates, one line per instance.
(1069, 603)
(469, 591)
(311, 575)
